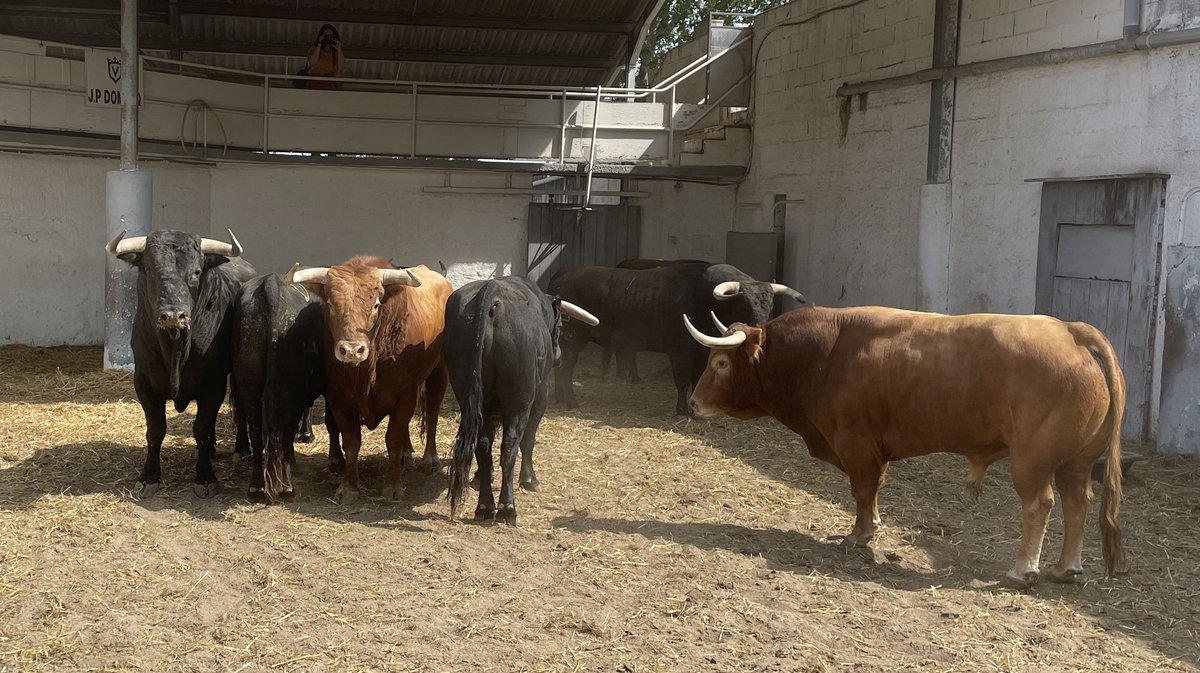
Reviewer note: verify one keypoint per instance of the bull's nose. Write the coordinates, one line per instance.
(351, 352)
(173, 319)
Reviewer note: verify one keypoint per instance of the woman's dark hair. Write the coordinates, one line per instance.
(322, 30)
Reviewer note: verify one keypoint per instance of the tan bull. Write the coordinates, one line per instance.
(866, 386)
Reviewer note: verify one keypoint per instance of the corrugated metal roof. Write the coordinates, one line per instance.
(529, 42)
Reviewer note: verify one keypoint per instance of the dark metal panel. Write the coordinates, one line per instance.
(562, 237)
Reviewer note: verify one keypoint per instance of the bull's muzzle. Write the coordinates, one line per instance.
(350, 351)
(174, 319)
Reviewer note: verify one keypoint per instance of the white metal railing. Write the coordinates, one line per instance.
(566, 123)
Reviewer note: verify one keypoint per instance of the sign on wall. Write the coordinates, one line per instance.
(104, 72)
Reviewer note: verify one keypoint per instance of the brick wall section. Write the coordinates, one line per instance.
(992, 29)
(854, 240)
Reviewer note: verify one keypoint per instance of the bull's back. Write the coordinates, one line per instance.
(927, 382)
(427, 306)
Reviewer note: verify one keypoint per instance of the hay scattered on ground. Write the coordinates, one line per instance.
(656, 544)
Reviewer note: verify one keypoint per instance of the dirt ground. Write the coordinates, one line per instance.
(656, 544)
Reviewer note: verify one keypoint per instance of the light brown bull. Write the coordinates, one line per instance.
(865, 386)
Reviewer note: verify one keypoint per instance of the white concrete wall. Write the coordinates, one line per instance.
(860, 169)
(1160, 15)
(52, 234)
(52, 228)
(322, 216)
(684, 220)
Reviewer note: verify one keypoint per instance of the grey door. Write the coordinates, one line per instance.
(1098, 262)
(562, 237)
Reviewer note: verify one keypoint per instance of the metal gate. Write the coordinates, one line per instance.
(562, 236)
(1098, 262)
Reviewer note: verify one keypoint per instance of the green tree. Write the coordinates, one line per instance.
(676, 24)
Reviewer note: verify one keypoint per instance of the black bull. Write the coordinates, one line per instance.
(181, 337)
(639, 311)
(278, 371)
(501, 340)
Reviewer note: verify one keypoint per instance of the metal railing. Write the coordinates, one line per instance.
(595, 95)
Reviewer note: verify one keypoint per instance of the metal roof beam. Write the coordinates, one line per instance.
(366, 53)
(336, 16)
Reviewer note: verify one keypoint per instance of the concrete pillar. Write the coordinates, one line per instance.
(128, 195)
(128, 209)
(933, 249)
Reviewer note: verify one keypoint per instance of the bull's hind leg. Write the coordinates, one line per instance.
(155, 410)
(529, 479)
(1032, 483)
(204, 431)
(514, 430)
(435, 392)
(486, 508)
(1074, 482)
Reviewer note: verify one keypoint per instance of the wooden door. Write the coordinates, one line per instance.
(1098, 262)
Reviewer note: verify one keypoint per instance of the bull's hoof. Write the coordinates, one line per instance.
(257, 494)
(532, 485)
(1068, 576)
(1020, 581)
(507, 514)
(484, 514)
(431, 464)
(854, 540)
(345, 496)
(393, 492)
(304, 438)
(206, 490)
(147, 489)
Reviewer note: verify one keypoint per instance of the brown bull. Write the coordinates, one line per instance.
(383, 333)
(865, 386)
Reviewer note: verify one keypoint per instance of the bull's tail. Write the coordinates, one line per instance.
(272, 465)
(471, 424)
(1110, 499)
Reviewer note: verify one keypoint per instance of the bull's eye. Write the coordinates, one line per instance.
(721, 364)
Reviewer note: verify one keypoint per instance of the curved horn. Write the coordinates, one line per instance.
(314, 275)
(398, 277)
(720, 328)
(577, 313)
(787, 291)
(209, 246)
(120, 245)
(732, 341)
(727, 289)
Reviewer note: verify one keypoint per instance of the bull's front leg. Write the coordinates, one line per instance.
(204, 431)
(399, 444)
(154, 409)
(351, 431)
(867, 470)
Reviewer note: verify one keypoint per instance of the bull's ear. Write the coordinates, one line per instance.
(756, 339)
(213, 261)
(131, 258)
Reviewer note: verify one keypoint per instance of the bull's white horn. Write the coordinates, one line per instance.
(732, 341)
(209, 246)
(121, 245)
(398, 277)
(789, 292)
(577, 313)
(727, 290)
(716, 321)
(314, 275)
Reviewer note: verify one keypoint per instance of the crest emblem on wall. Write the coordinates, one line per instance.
(114, 69)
